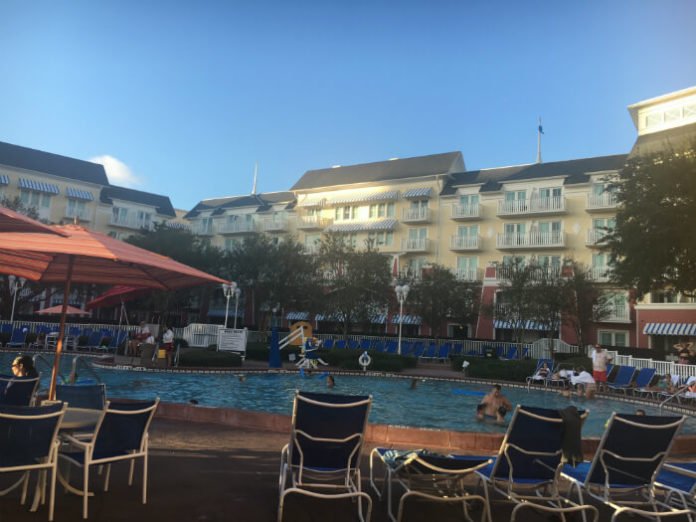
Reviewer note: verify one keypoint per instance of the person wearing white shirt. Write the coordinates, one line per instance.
(168, 343)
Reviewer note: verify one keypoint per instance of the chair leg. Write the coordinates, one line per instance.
(107, 476)
(52, 493)
(85, 489)
(130, 473)
(145, 479)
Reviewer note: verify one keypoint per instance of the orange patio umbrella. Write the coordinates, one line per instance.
(58, 309)
(81, 255)
(11, 221)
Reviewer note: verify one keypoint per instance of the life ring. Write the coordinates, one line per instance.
(365, 360)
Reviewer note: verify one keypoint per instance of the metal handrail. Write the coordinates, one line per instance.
(292, 336)
(39, 358)
(675, 394)
(80, 361)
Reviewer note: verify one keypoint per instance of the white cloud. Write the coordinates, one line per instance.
(118, 172)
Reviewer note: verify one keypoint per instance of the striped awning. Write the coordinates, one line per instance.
(366, 226)
(670, 329)
(4, 180)
(407, 319)
(297, 316)
(312, 202)
(389, 195)
(528, 325)
(38, 186)
(418, 193)
(77, 193)
(378, 319)
(332, 318)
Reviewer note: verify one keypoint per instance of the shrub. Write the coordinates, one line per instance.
(5, 338)
(181, 342)
(381, 362)
(30, 338)
(209, 358)
(82, 340)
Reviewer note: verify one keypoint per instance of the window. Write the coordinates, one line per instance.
(514, 232)
(550, 229)
(231, 243)
(612, 338)
(416, 266)
(604, 224)
(549, 198)
(119, 214)
(600, 260)
(469, 200)
(515, 195)
(467, 267)
(653, 119)
(344, 213)
(417, 234)
(469, 231)
(76, 208)
(31, 198)
(207, 225)
(552, 262)
(384, 238)
(380, 210)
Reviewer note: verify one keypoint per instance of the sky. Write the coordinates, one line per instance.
(184, 98)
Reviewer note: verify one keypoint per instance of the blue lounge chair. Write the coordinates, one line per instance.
(29, 442)
(365, 344)
(643, 380)
(406, 347)
(322, 459)
(500, 351)
(622, 473)
(392, 347)
(511, 353)
(623, 379)
(536, 377)
(340, 344)
(530, 458)
(378, 346)
(679, 479)
(18, 338)
(427, 476)
(430, 352)
(327, 343)
(418, 349)
(353, 344)
(18, 391)
(444, 351)
(121, 434)
(457, 349)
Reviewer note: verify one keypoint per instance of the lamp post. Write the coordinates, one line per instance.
(237, 291)
(401, 295)
(228, 289)
(15, 284)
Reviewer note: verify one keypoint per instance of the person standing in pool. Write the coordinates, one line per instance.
(494, 404)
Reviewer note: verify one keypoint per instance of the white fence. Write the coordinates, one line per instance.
(661, 367)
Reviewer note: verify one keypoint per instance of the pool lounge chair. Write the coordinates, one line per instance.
(444, 352)
(90, 396)
(18, 391)
(535, 378)
(18, 338)
(322, 459)
(679, 480)
(624, 468)
(531, 455)
(29, 442)
(418, 349)
(427, 476)
(623, 380)
(643, 379)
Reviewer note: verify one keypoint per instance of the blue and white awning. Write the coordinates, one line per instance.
(297, 316)
(368, 226)
(77, 193)
(670, 329)
(4, 180)
(528, 325)
(418, 193)
(38, 186)
(332, 318)
(378, 319)
(389, 195)
(407, 319)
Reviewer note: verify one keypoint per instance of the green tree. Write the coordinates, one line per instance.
(438, 296)
(17, 205)
(356, 283)
(185, 247)
(654, 243)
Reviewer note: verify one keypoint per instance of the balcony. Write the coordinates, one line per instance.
(466, 211)
(604, 201)
(237, 227)
(616, 314)
(600, 274)
(81, 214)
(465, 242)
(505, 273)
(473, 274)
(134, 222)
(416, 215)
(532, 206)
(200, 229)
(531, 240)
(312, 223)
(274, 225)
(415, 245)
(595, 236)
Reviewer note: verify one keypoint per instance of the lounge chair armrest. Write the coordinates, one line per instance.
(82, 444)
(554, 510)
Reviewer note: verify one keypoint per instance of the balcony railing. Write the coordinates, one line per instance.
(415, 245)
(531, 240)
(81, 214)
(616, 314)
(466, 211)
(203, 230)
(416, 215)
(505, 273)
(312, 223)
(534, 205)
(472, 274)
(130, 222)
(465, 242)
(237, 227)
(275, 225)
(606, 200)
(600, 274)
(595, 236)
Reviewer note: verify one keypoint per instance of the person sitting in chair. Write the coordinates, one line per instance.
(141, 335)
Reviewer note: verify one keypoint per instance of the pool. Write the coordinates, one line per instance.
(439, 404)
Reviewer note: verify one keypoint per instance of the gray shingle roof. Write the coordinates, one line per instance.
(677, 138)
(54, 164)
(381, 171)
(262, 201)
(575, 171)
(161, 203)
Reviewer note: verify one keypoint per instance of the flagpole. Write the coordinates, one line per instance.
(540, 131)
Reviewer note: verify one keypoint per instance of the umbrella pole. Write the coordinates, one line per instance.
(61, 331)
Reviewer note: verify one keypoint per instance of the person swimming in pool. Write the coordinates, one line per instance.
(494, 404)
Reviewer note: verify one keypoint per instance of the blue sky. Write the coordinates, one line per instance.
(184, 97)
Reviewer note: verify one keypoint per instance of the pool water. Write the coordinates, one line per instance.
(449, 405)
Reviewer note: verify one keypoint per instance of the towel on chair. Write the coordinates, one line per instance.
(571, 438)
